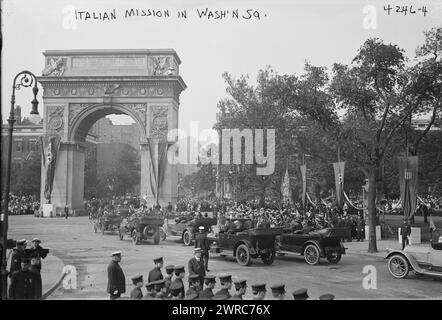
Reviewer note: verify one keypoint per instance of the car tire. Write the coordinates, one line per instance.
(334, 258)
(398, 266)
(311, 254)
(268, 258)
(187, 238)
(243, 255)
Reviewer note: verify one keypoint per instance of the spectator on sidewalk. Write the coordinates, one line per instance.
(405, 232)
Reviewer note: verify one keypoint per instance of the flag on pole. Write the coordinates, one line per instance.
(285, 187)
(303, 169)
(408, 170)
(339, 182)
(432, 225)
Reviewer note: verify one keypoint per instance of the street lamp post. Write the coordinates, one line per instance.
(22, 79)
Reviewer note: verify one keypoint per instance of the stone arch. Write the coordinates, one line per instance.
(85, 118)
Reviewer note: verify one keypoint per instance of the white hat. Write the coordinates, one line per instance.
(116, 253)
(201, 227)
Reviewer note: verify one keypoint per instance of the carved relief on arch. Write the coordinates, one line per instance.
(160, 123)
(55, 119)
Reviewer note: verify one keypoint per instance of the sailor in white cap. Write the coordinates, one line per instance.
(116, 284)
(37, 253)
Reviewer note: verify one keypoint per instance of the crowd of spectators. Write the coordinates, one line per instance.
(20, 205)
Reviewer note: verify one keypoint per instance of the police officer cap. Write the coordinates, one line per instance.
(201, 228)
(170, 268)
(137, 279)
(158, 260)
(278, 288)
(21, 242)
(194, 277)
(258, 287)
(209, 278)
(179, 269)
(327, 297)
(300, 294)
(191, 296)
(175, 286)
(240, 284)
(149, 285)
(225, 278)
(196, 250)
(36, 240)
(116, 253)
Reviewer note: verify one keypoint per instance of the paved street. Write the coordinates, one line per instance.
(73, 242)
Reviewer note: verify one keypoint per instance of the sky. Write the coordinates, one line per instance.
(286, 34)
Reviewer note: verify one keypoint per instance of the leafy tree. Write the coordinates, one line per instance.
(26, 175)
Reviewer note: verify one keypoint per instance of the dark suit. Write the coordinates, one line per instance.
(136, 294)
(203, 243)
(16, 260)
(155, 274)
(405, 232)
(206, 294)
(38, 254)
(197, 267)
(25, 285)
(116, 280)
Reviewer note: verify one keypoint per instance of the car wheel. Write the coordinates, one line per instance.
(162, 234)
(398, 266)
(187, 238)
(311, 254)
(334, 257)
(243, 255)
(268, 258)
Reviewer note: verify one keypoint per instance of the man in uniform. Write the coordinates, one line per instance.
(116, 284)
(18, 256)
(360, 228)
(37, 252)
(168, 277)
(278, 291)
(405, 232)
(155, 274)
(136, 293)
(300, 294)
(202, 242)
(160, 289)
(175, 291)
(259, 291)
(150, 292)
(226, 283)
(196, 265)
(66, 211)
(241, 288)
(207, 293)
(25, 285)
(194, 287)
(179, 276)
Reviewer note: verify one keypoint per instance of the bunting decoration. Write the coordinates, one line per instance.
(408, 184)
(50, 147)
(339, 182)
(157, 165)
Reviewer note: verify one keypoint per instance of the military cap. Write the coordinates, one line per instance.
(191, 296)
(178, 269)
(209, 278)
(258, 287)
(196, 250)
(137, 279)
(149, 285)
(36, 240)
(21, 242)
(327, 297)
(225, 278)
(221, 296)
(158, 260)
(194, 277)
(116, 253)
(201, 228)
(300, 294)
(175, 286)
(240, 284)
(170, 268)
(158, 284)
(278, 288)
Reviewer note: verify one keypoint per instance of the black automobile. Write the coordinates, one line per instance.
(245, 243)
(324, 243)
(185, 227)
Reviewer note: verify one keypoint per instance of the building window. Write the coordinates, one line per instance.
(32, 145)
(19, 146)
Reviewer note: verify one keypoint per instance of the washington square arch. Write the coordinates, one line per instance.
(82, 86)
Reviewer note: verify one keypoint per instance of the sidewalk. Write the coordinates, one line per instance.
(361, 248)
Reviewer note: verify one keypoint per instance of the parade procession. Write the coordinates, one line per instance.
(281, 151)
